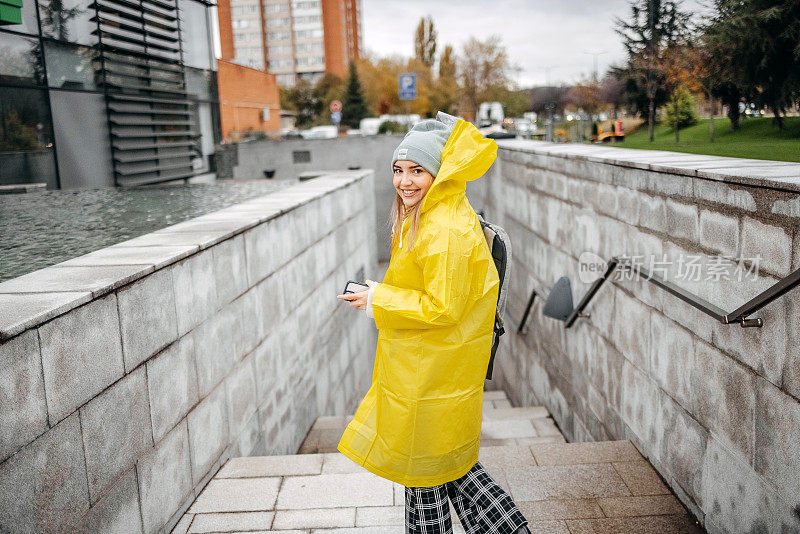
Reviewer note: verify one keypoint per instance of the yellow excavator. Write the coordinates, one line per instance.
(617, 133)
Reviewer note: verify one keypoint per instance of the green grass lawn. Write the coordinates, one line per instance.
(757, 138)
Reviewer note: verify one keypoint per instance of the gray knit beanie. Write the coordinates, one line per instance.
(423, 144)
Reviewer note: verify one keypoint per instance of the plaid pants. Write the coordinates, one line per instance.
(482, 506)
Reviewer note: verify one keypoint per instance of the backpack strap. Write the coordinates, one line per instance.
(500, 249)
(499, 330)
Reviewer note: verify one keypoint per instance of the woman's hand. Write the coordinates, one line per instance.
(358, 300)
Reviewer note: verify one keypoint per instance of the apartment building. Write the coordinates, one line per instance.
(296, 39)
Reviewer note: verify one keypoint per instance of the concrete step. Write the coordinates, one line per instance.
(560, 487)
(502, 425)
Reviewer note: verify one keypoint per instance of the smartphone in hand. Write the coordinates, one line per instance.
(354, 287)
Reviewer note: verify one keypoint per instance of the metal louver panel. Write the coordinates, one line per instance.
(150, 118)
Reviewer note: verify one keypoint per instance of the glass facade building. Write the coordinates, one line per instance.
(107, 92)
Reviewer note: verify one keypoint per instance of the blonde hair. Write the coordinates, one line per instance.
(398, 213)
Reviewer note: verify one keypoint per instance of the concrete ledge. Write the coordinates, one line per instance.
(130, 375)
(69, 284)
(708, 404)
(764, 173)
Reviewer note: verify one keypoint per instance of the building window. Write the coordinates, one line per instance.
(68, 20)
(280, 64)
(278, 22)
(244, 37)
(277, 8)
(285, 80)
(278, 36)
(310, 19)
(244, 10)
(314, 60)
(280, 50)
(26, 137)
(22, 60)
(248, 51)
(202, 84)
(305, 5)
(70, 66)
(195, 34)
(309, 47)
(308, 34)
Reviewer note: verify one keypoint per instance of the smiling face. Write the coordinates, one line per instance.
(411, 181)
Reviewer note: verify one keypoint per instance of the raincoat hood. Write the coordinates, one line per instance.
(419, 423)
(466, 156)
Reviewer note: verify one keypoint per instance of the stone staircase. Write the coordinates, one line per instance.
(561, 488)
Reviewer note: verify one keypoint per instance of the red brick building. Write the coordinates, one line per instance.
(248, 100)
(248, 97)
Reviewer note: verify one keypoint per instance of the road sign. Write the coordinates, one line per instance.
(336, 117)
(408, 86)
(336, 106)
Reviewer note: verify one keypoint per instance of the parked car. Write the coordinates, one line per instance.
(291, 134)
(321, 132)
(523, 126)
(370, 125)
(496, 131)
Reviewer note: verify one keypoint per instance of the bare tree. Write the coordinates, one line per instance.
(585, 95)
(612, 92)
(447, 63)
(445, 93)
(484, 64)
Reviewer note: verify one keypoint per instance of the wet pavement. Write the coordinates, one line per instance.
(42, 228)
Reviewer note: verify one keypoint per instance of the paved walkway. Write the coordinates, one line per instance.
(561, 488)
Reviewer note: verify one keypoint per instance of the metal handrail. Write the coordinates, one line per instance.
(739, 315)
(527, 312)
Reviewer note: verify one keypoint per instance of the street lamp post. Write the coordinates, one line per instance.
(595, 54)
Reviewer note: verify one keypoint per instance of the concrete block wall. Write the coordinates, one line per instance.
(715, 408)
(286, 158)
(130, 375)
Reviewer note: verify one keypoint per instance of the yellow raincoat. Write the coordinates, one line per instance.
(420, 421)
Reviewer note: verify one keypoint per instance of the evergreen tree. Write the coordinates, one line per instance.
(654, 26)
(354, 107)
(679, 111)
(754, 53)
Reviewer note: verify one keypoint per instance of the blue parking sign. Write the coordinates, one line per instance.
(336, 117)
(408, 86)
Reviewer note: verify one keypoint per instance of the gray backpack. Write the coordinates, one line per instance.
(500, 247)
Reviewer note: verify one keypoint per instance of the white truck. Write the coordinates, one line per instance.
(489, 113)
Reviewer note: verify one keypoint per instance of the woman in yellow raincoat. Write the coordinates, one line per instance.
(420, 422)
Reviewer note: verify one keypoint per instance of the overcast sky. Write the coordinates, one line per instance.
(549, 39)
